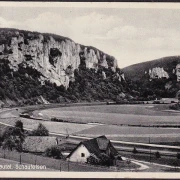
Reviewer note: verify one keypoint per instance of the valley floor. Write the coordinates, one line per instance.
(114, 121)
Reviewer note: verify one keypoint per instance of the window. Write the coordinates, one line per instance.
(82, 155)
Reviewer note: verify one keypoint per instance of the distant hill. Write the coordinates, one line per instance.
(153, 79)
(137, 71)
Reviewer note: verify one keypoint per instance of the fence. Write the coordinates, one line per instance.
(51, 163)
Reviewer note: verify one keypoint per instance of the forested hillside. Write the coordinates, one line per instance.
(35, 67)
(153, 79)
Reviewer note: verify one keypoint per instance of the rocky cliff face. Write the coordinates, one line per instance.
(55, 60)
(158, 73)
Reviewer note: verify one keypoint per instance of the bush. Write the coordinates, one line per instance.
(178, 156)
(19, 124)
(93, 160)
(175, 106)
(135, 150)
(157, 154)
(54, 152)
(40, 131)
(105, 160)
(57, 120)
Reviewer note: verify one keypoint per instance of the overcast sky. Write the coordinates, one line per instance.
(130, 35)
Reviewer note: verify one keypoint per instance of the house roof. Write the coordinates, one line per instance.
(98, 145)
(39, 143)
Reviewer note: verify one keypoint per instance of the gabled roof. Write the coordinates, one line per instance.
(97, 146)
(39, 143)
(102, 143)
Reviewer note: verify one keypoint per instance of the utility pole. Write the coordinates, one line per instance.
(60, 166)
(4, 154)
(68, 164)
(36, 156)
(20, 158)
(149, 146)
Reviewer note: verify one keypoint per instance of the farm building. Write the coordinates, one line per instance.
(93, 148)
(39, 144)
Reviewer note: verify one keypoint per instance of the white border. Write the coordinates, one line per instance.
(120, 5)
(42, 174)
(135, 5)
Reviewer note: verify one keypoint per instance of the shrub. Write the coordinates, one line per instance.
(175, 164)
(135, 150)
(105, 160)
(157, 154)
(19, 124)
(40, 131)
(56, 119)
(93, 160)
(175, 106)
(54, 152)
(178, 155)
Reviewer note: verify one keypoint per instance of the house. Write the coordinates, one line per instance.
(94, 148)
(38, 144)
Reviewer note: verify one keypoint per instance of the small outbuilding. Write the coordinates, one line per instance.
(95, 148)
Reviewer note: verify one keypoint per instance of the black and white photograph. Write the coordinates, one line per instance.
(89, 87)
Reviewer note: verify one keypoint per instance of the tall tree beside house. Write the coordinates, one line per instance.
(13, 137)
(40, 131)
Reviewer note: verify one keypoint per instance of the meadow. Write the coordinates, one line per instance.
(115, 114)
(117, 120)
(57, 127)
(114, 121)
(133, 134)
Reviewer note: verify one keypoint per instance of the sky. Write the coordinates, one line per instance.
(131, 35)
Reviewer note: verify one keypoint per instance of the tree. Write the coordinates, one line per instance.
(9, 144)
(40, 131)
(13, 137)
(19, 124)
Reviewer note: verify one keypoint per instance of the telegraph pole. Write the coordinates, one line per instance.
(60, 166)
(149, 146)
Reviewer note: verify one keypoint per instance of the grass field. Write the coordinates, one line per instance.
(57, 127)
(115, 118)
(134, 134)
(138, 109)
(115, 114)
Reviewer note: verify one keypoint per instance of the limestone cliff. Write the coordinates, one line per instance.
(55, 59)
(157, 73)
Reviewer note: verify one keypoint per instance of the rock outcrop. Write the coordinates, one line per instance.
(158, 73)
(56, 60)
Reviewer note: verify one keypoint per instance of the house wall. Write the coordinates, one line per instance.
(76, 155)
